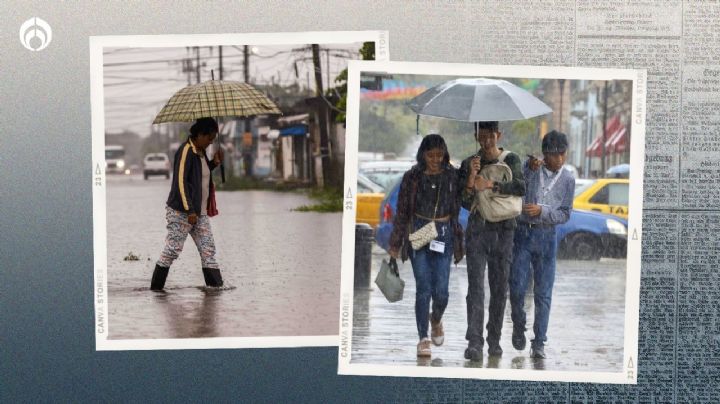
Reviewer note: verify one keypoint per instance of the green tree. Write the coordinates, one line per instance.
(339, 92)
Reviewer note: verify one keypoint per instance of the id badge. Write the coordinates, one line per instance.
(437, 246)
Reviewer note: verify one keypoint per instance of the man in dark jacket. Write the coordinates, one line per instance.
(190, 205)
(487, 242)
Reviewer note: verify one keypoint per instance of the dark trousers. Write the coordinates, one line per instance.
(491, 244)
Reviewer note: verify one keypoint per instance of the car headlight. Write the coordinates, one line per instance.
(615, 227)
(120, 164)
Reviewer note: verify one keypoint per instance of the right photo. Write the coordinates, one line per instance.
(495, 227)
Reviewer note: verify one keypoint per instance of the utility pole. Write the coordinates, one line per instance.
(220, 67)
(246, 63)
(322, 114)
(327, 67)
(187, 65)
(604, 128)
(197, 63)
(248, 150)
(561, 83)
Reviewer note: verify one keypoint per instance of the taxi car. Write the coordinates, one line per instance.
(604, 195)
(369, 197)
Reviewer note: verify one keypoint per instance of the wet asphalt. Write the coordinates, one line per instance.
(585, 331)
(281, 268)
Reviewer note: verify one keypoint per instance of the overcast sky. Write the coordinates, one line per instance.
(138, 81)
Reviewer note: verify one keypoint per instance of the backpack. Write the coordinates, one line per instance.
(493, 206)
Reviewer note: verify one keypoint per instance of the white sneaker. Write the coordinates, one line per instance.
(423, 348)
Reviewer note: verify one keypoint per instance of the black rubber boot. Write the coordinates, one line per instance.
(212, 277)
(158, 278)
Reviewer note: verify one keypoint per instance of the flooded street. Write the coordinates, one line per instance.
(585, 332)
(281, 268)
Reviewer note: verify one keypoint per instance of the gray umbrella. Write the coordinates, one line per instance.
(478, 100)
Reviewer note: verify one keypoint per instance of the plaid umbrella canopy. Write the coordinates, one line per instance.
(216, 98)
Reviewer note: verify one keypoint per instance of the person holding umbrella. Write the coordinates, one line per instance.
(488, 242)
(489, 234)
(190, 204)
(191, 200)
(429, 196)
(547, 203)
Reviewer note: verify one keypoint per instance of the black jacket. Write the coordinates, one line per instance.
(405, 212)
(185, 191)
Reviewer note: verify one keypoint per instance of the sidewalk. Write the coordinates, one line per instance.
(585, 331)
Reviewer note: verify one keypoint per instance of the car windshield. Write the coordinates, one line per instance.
(386, 179)
(155, 158)
(114, 154)
(582, 185)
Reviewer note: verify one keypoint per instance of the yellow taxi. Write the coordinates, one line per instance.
(369, 196)
(605, 195)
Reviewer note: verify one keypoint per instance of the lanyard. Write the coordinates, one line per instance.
(550, 186)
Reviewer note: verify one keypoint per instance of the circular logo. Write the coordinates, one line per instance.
(35, 34)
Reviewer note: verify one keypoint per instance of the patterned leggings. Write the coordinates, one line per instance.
(178, 229)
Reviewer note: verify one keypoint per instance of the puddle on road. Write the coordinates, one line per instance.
(585, 331)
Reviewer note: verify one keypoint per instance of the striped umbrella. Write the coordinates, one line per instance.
(216, 98)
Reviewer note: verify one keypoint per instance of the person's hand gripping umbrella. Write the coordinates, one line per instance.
(216, 99)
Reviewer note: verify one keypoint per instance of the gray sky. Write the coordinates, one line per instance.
(138, 81)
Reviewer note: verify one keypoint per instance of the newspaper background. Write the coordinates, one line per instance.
(47, 266)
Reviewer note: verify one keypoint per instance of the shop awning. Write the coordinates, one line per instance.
(615, 141)
(294, 130)
(618, 142)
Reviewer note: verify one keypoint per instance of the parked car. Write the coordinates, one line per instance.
(606, 195)
(385, 172)
(156, 164)
(369, 196)
(586, 236)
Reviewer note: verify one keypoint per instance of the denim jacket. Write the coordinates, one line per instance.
(556, 203)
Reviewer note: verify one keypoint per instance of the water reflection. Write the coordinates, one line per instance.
(432, 362)
(586, 325)
(191, 319)
(283, 261)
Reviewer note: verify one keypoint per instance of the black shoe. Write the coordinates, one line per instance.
(158, 277)
(495, 350)
(537, 352)
(212, 277)
(474, 352)
(518, 339)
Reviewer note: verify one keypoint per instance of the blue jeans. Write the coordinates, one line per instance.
(432, 274)
(536, 247)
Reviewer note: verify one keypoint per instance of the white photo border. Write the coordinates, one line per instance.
(632, 287)
(97, 100)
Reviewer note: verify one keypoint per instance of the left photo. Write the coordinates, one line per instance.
(218, 166)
